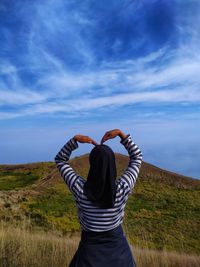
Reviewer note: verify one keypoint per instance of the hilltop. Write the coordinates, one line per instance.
(162, 212)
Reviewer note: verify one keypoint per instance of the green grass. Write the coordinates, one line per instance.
(15, 180)
(22, 247)
(156, 217)
(162, 213)
(55, 207)
(164, 217)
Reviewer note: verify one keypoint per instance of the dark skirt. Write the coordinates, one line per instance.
(103, 249)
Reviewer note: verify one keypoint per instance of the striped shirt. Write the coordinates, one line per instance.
(91, 217)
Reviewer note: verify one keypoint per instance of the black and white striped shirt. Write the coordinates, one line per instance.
(91, 217)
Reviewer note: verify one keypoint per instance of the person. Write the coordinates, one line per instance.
(101, 200)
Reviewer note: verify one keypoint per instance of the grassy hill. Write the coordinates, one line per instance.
(163, 211)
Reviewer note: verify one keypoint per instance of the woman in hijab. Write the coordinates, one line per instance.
(101, 200)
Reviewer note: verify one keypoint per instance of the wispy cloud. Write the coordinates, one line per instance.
(66, 69)
(121, 83)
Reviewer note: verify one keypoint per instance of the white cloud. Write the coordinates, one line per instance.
(162, 76)
(20, 97)
(6, 68)
(175, 81)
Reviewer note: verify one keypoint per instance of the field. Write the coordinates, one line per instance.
(162, 216)
(24, 247)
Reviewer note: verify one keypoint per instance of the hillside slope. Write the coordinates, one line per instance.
(163, 210)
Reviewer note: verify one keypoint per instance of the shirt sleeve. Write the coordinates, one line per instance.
(71, 178)
(130, 175)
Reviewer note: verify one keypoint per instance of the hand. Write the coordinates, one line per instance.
(111, 134)
(84, 139)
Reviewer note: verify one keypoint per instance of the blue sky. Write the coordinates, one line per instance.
(85, 67)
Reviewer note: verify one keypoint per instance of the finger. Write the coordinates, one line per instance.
(102, 140)
(94, 143)
(106, 137)
(91, 141)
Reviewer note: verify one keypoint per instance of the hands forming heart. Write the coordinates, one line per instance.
(108, 135)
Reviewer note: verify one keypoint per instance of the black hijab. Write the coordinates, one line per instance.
(100, 186)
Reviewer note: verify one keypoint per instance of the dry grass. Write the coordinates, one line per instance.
(161, 213)
(22, 247)
(155, 258)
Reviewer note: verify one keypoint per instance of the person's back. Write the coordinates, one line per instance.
(94, 219)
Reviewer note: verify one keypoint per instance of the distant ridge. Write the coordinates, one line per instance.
(148, 171)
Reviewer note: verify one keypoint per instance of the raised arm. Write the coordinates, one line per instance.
(66, 171)
(131, 173)
(71, 178)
